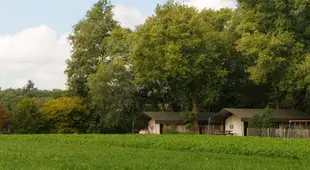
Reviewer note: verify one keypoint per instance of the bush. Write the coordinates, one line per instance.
(263, 120)
(27, 118)
(267, 120)
(65, 115)
(188, 119)
(171, 129)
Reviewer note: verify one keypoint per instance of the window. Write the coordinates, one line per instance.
(231, 126)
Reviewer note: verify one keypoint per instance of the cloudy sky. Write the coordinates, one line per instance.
(33, 35)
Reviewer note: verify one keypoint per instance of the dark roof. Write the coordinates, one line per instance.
(277, 114)
(175, 117)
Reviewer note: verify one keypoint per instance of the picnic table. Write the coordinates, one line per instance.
(223, 132)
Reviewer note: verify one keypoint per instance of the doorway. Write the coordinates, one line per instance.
(161, 126)
(246, 126)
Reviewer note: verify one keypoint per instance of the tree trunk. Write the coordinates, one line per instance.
(195, 111)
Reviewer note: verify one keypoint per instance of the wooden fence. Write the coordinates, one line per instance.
(279, 132)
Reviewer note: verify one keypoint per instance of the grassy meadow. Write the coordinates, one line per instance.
(151, 152)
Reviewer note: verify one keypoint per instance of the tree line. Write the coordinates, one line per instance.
(185, 59)
(30, 110)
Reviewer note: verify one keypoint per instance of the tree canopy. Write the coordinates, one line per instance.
(88, 45)
(180, 59)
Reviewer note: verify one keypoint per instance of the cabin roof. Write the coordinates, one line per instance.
(174, 117)
(277, 114)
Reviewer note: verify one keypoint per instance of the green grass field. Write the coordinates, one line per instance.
(151, 152)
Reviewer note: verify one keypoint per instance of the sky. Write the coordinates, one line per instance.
(33, 35)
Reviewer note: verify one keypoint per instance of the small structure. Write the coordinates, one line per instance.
(163, 122)
(236, 120)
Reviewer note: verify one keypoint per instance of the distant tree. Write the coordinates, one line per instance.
(65, 115)
(54, 93)
(27, 118)
(9, 98)
(29, 90)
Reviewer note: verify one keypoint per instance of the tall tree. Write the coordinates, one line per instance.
(274, 42)
(89, 49)
(178, 45)
(114, 96)
(238, 90)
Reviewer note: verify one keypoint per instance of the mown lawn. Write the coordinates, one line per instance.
(150, 152)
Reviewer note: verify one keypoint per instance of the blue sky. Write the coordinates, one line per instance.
(57, 14)
(33, 35)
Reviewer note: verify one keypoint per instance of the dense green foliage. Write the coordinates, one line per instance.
(179, 45)
(183, 59)
(150, 152)
(10, 97)
(188, 119)
(27, 118)
(89, 50)
(113, 96)
(65, 115)
(275, 36)
(20, 108)
(263, 120)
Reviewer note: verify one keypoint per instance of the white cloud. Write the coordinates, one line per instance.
(213, 4)
(35, 53)
(39, 53)
(128, 16)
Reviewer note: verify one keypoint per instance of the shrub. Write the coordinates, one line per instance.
(262, 120)
(255, 122)
(267, 120)
(27, 118)
(188, 119)
(171, 129)
(66, 115)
